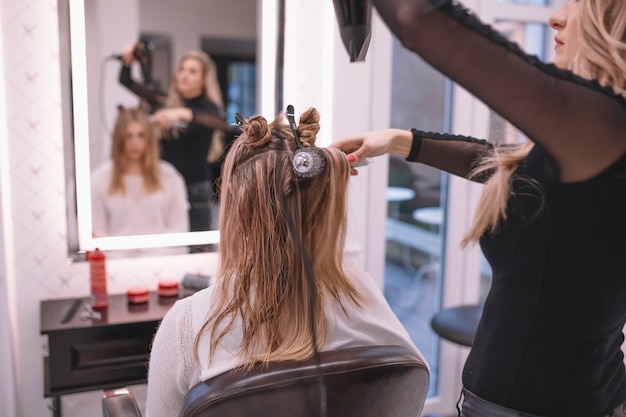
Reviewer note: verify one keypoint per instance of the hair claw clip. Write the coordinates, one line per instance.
(236, 127)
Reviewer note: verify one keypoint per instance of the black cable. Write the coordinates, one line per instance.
(308, 267)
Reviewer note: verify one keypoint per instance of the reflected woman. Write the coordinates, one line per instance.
(191, 117)
(134, 192)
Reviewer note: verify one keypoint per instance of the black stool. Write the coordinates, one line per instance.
(457, 324)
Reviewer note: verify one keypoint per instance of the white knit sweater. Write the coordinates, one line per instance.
(173, 371)
(138, 212)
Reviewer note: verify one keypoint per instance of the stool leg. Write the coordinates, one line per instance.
(55, 406)
(418, 281)
(406, 257)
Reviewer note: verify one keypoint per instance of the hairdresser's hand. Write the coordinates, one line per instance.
(167, 118)
(375, 143)
(128, 53)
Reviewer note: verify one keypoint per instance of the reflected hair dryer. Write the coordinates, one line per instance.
(143, 54)
(355, 26)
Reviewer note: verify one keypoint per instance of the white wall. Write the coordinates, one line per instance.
(351, 97)
(232, 19)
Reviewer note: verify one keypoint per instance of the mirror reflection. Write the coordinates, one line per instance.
(189, 121)
(135, 192)
(185, 65)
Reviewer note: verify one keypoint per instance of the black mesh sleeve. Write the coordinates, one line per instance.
(153, 99)
(455, 154)
(580, 124)
(210, 120)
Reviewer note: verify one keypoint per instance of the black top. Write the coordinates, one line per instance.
(186, 148)
(189, 149)
(549, 339)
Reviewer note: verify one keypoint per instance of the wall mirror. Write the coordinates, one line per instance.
(242, 36)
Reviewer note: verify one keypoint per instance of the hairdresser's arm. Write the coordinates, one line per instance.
(579, 124)
(210, 120)
(165, 118)
(140, 90)
(210, 116)
(451, 153)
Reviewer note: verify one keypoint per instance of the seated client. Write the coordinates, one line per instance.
(134, 192)
(280, 228)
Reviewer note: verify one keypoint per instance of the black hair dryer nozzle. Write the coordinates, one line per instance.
(355, 24)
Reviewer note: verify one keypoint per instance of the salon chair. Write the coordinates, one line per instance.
(372, 381)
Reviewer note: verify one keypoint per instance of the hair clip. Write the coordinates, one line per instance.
(307, 161)
(236, 127)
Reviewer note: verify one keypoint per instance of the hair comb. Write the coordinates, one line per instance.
(307, 161)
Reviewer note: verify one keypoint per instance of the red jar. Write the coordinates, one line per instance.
(137, 295)
(168, 288)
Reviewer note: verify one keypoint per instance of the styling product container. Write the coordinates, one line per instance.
(98, 280)
(168, 288)
(137, 295)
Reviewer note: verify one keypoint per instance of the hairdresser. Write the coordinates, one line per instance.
(551, 219)
(191, 120)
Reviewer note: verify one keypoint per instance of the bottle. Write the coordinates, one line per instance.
(98, 280)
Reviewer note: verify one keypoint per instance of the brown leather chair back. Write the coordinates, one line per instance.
(374, 381)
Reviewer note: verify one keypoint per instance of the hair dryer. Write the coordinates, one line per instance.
(355, 23)
(143, 54)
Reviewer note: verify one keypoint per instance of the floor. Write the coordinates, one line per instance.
(413, 299)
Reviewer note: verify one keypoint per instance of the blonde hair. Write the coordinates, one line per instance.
(601, 57)
(262, 280)
(150, 159)
(602, 54)
(212, 93)
(212, 90)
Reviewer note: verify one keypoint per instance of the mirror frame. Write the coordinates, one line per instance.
(267, 53)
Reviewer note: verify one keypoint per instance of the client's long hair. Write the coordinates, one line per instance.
(150, 159)
(262, 280)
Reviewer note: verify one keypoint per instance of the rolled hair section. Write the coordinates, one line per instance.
(309, 126)
(256, 131)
